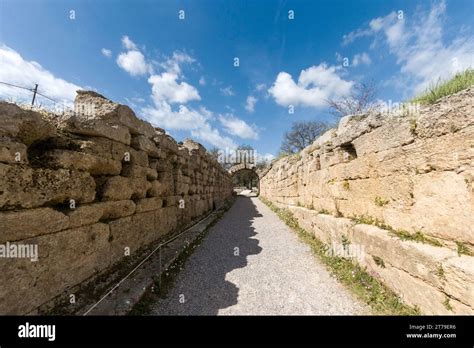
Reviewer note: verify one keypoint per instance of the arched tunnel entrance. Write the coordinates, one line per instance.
(245, 180)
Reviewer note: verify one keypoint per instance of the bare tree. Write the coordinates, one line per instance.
(301, 135)
(214, 152)
(361, 100)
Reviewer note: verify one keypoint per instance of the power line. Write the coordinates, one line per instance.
(12, 85)
(35, 92)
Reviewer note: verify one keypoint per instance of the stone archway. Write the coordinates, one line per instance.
(242, 169)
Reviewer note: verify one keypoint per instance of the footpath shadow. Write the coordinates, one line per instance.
(201, 287)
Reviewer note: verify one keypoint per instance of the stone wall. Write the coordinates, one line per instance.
(86, 188)
(399, 185)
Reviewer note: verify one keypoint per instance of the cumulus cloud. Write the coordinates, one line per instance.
(106, 52)
(250, 103)
(169, 89)
(238, 127)
(314, 87)
(132, 61)
(361, 58)
(419, 47)
(19, 71)
(129, 44)
(165, 87)
(212, 136)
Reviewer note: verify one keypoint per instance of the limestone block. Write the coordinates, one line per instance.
(95, 165)
(336, 229)
(12, 152)
(130, 170)
(140, 187)
(448, 115)
(418, 259)
(393, 133)
(148, 204)
(24, 125)
(142, 143)
(443, 206)
(117, 188)
(108, 111)
(416, 292)
(157, 189)
(65, 259)
(25, 187)
(459, 274)
(23, 224)
(96, 127)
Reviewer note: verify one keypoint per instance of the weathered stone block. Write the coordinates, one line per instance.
(23, 125)
(459, 275)
(66, 258)
(12, 152)
(95, 165)
(23, 224)
(96, 127)
(130, 170)
(148, 204)
(23, 187)
(117, 188)
(142, 143)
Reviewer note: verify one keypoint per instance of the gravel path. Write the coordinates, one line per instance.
(251, 263)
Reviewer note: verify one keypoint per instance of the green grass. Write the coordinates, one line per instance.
(370, 290)
(380, 202)
(379, 261)
(418, 236)
(440, 272)
(463, 249)
(447, 304)
(444, 88)
(346, 186)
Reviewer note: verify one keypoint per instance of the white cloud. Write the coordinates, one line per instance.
(202, 81)
(361, 58)
(238, 127)
(166, 88)
(129, 44)
(106, 52)
(173, 64)
(250, 103)
(419, 48)
(352, 36)
(187, 119)
(315, 85)
(16, 70)
(227, 91)
(133, 61)
(212, 136)
(261, 87)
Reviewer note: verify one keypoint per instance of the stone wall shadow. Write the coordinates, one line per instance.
(202, 284)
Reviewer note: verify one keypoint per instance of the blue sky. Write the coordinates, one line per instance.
(180, 74)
